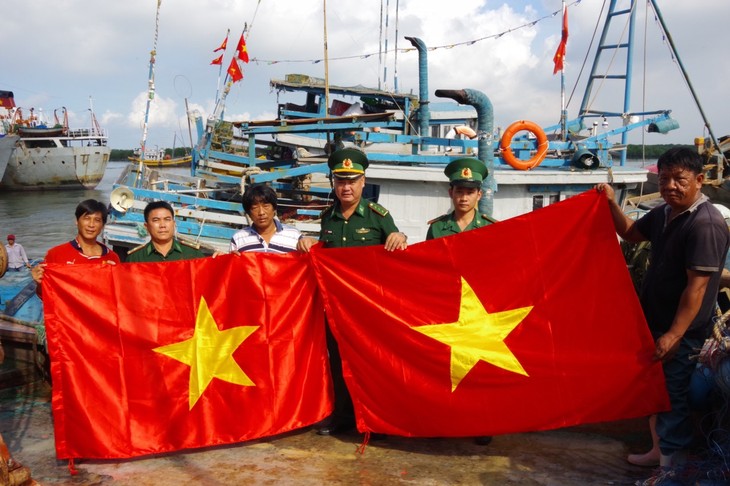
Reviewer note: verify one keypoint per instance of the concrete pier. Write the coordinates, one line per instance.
(586, 455)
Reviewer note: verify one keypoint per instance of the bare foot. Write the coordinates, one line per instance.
(649, 459)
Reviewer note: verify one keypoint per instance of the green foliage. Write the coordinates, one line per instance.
(650, 152)
(121, 154)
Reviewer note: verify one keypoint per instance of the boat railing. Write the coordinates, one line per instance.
(87, 133)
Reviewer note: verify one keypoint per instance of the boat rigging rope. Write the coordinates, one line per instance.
(249, 26)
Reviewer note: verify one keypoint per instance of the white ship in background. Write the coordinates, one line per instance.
(36, 155)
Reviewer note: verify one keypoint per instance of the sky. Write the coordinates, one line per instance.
(82, 53)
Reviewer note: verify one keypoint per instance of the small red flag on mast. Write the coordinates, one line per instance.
(560, 52)
(218, 60)
(242, 50)
(234, 71)
(223, 45)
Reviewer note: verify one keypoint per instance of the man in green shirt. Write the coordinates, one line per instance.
(351, 221)
(159, 220)
(465, 176)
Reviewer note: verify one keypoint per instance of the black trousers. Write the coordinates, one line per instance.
(343, 414)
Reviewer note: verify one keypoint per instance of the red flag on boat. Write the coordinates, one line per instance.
(234, 71)
(559, 57)
(223, 45)
(156, 357)
(242, 50)
(525, 325)
(218, 60)
(7, 100)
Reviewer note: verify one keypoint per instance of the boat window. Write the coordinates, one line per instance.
(40, 143)
(542, 200)
(538, 202)
(371, 192)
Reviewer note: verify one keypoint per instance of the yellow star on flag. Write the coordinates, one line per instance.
(477, 335)
(209, 353)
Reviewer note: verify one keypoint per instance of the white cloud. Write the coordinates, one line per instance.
(79, 48)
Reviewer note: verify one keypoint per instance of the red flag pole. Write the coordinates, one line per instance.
(560, 55)
(220, 70)
(228, 83)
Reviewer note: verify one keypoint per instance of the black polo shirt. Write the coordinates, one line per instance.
(696, 239)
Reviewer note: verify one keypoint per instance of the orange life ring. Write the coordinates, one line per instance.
(506, 142)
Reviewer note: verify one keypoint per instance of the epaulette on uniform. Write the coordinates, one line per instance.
(489, 218)
(442, 217)
(136, 248)
(378, 209)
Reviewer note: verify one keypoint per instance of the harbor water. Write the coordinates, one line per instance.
(43, 219)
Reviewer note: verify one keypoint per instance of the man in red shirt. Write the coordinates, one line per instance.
(84, 248)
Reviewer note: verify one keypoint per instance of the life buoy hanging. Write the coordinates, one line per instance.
(506, 142)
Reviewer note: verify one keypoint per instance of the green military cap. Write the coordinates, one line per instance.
(348, 163)
(466, 172)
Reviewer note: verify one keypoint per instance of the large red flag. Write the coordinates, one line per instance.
(156, 357)
(242, 49)
(234, 71)
(526, 325)
(559, 56)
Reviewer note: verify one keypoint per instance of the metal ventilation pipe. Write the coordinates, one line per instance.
(424, 112)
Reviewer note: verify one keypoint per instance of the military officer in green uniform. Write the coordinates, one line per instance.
(159, 220)
(465, 176)
(351, 221)
(465, 183)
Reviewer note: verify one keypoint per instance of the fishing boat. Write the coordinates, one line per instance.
(158, 158)
(529, 166)
(42, 156)
(144, 156)
(7, 146)
(22, 332)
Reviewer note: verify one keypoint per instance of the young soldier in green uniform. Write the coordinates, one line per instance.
(466, 176)
(159, 220)
(351, 221)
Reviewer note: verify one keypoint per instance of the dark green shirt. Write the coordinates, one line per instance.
(370, 224)
(148, 253)
(446, 225)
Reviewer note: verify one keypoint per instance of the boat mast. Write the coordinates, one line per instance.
(385, 52)
(605, 47)
(689, 84)
(395, 62)
(563, 110)
(326, 64)
(150, 90)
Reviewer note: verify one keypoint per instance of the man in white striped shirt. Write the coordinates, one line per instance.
(265, 234)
